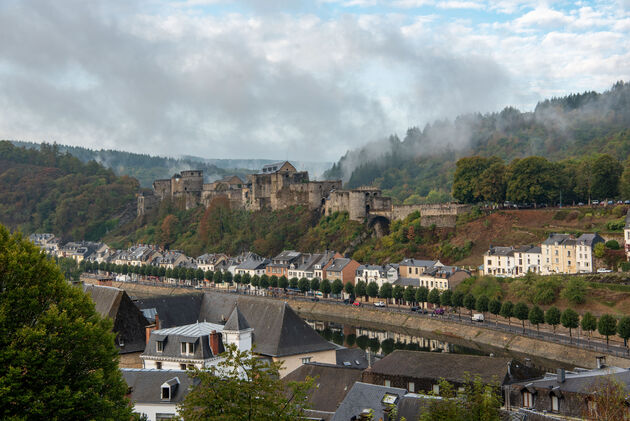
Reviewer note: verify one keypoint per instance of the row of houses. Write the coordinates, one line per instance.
(328, 265)
(559, 253)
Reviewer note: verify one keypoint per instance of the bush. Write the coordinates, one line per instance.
(625, 266)
(575, 291)
(615, 225)
(612, 245)
(599, 250)
(561, 215)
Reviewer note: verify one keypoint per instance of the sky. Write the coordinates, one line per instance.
(289, 79)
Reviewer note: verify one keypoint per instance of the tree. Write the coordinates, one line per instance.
(606, 400)
(238, 278)
(198, 274)
(398, 293)
(531, 180)
(434, 297)
(466, 178)
(208, 274)
(227, 277)
(264, 282)
(372, 289)
(457, 301)
(283, 282)
(599, 250)
(325, 287)
(315, 284)
(575, 291)
(491, 183)
(536, 317)
(273, 281)
(303, 285)
(569, 319)
(507, 311)
(247, 279)
(495, 308)
(244, 387)
(606, 172)
(589, 323)
(552, 317)
(422, 294)
(521, 312)
(410, 294)
(349, 288)
(607, 326)
(217, 277)
(482, 304)
(446, 298)
(385, 291)
(293, 282)
(469, 302)
(255, 281)
(57, 355)
(623, 329)
(612, 245)
(337, 286)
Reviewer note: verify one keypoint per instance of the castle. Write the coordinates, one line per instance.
(281, 185)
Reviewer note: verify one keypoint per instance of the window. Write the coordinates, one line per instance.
(306, 360)
(568, 253)
(158, 365)
(528, 399)
(554, 403)
(188, 348)
(166, 393)
(411, 387)
(159, 346)
(569, 262)
(182, 366)
(489, 262)
(436, 389)
(556, 252)
(388, 383)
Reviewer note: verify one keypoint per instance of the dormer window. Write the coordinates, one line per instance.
(188, 348)
(169, 388)
(159, 346)
(166, 393)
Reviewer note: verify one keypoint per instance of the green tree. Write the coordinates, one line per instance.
(422, 294)
(293, 282)
(264, 282)
(536, 317)
(325, 287)
(57, 355)
(283, 282)
(491, 183)
(337, 286)
(466, 178)
(217, 277)
(495, 308)
(575, 291)
(607, 326)
(470, 302)
(398, 293)
(623, 329)
(521, 312)
(349, 288)
(599, 250)
(255, 281)
(410, 294)
(273, 281)
(612, 245)
(198, 274)
(244, 387)
(446, 298)
(507, 311)
(247, 279)
(385, 291)
(482, 304)
(606, 173)
(569, 319)
(360, 289)
(315, 284)
(589, 323)
(303, 285)
(207, 274)
(531, 180)
(227, 277)
(238, 278)
(434, 297)
(457, 301)
(552, 317)
(372, 289)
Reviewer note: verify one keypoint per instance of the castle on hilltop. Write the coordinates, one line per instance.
(280, 185)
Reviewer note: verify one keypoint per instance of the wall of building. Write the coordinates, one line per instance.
(151, 410)
(291, 362)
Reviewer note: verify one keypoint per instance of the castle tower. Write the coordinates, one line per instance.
(237, 331)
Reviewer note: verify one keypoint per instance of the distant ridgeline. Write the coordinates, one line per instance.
(419, 169)
(144, 168)
(280, 185)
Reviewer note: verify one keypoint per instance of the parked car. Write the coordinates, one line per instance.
(595, 202)
(356, 304)
(438, 311)
(477, 317)
(315, 299)
(581, 204)
(604, 270)
(346, 301)
(379, 304)
(415, 308)
(626, 202)
(610, 202)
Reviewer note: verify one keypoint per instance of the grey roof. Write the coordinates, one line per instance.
(451, 367)
(352, 358)
(535, 249)
(252, 263)
(338, 264)
(501, 251)
(365, 396)
(589, 239)
(418, 262)
(174, 310)
(406, 282)
(331, 384)
(581, 382)
(411, 405)
(278, 331)
(145, 384)
(556, 238)
(236, 321)
(197, 333)
(129, 322)
(287, 256)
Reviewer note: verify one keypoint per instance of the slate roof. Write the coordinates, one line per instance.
(236, 321)
(581, 382)
(338, 264)
(411, 405)
(331, 384)
(129, 322)
(418, 262)
(556, 238)
(451, 367)
(352, 358)
(501, 251)
(287, 256)
(146, 384)
(407, 281)
(197, 333)
(253, 263)
(278, 331)
(174, 310)
(365, 396)
(589, 239)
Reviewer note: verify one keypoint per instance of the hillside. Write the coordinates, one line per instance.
(420, 167)
(47, 191)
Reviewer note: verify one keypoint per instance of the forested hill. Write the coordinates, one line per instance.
(43, 190)
(145, 168)
(420, 167)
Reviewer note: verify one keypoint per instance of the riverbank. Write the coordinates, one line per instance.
(472, 336)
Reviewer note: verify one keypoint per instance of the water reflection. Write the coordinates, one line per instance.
(383, 342)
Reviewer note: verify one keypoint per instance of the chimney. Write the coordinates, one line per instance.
(601, 361)
(148, 329)
(214, 342)
(560, 377)
(157, 322)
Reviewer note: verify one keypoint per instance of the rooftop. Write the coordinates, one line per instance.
(192, 330)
